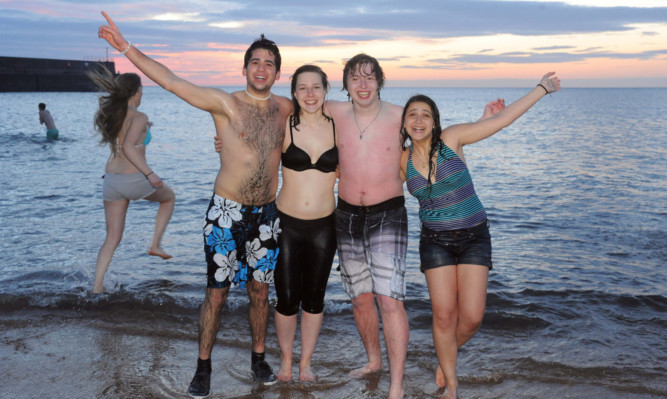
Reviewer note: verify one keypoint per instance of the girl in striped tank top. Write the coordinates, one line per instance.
(455, 245)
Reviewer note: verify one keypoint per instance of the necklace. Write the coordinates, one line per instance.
(423, 159)
(362, 131)
(131, 107)
(257, 98)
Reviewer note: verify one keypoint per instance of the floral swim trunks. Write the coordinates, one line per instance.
(240, 242)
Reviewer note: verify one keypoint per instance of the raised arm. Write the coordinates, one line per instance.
(207, 99)
(469, 133)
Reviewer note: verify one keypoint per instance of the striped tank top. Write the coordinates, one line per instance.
(452, 203)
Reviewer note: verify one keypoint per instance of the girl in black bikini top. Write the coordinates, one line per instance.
(297, 159)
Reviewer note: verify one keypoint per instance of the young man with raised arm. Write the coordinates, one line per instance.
(242, 226)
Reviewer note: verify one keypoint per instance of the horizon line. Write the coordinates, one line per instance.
(606, 83)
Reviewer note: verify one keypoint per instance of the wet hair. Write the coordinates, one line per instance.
(436, 142)
(296, 117)
(110, 116)
(42, 106)
(263, 43)
(358, 62)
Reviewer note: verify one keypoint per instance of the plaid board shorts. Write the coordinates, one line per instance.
(372, 247)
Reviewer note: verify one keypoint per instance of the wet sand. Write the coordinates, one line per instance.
(128, 353)
(124, 354)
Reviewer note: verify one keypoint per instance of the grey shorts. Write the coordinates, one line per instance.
(372, 247)
(133, 186)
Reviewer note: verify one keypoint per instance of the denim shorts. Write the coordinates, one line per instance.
(454, 247)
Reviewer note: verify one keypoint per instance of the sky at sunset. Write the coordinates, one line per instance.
(590, 43)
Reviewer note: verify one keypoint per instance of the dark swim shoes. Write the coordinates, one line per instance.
(262, 370)
(200, 386)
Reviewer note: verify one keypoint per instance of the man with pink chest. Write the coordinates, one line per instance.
(371, 219)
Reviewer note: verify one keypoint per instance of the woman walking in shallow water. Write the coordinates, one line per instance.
(455, 245)
(127, 176)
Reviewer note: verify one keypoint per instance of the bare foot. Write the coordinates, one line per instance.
(97, 290)
(367, 369)
(440, 377)
(159, 252)
(450, 393)
(306, 374)
(395, 393)
(285, 371)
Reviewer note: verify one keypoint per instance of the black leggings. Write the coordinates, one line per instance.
(307, 249)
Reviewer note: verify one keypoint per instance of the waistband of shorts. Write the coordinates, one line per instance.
(123, 175)
(272, 203)
(458, 232)
(388, 205)
(305, 222)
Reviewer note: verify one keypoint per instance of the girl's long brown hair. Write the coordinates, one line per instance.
(110, 116)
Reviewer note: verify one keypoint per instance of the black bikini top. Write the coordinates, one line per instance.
(297, 159)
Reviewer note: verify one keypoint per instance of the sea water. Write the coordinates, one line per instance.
(575, 190)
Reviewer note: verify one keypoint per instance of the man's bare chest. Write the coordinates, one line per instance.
(260, 128)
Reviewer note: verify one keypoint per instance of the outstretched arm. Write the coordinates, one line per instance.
(469, 133)
(207, 99)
